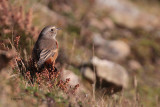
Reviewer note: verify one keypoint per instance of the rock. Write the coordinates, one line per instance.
(111, 72)
(97, 23)
(134, 65)
(113, 49)
(74, 79)
(127, 14)
(107, 34)
(118, 49)
(105, 23)
(88, 74)
(108, 22)
(52, 16)
(98, 40)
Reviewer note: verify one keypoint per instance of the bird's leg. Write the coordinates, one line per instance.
(50, 67)
(53, 67)
(53, 64)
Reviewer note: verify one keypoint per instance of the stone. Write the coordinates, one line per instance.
(128, 14)
(88, 74)
(98, 40)
(105, 23)
(116, 50)
(109, 23)
(74, 79)
(94, 22)
(111, 72)
(134, 65)
(52, 16)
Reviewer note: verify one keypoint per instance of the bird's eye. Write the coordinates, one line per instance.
(52, 30)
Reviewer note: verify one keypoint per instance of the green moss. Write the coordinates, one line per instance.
(146, 49)
(148, 95)
(32, 89)
(69, 15)
(75, 70)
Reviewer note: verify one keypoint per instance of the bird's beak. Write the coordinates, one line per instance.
(58, 28)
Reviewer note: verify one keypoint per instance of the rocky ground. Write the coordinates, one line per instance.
(109, 53)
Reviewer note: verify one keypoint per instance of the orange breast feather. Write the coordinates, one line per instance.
(52, 59)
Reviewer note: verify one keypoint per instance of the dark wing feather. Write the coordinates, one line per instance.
(44, 55)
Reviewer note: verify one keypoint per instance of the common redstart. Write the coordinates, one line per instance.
(45, 50)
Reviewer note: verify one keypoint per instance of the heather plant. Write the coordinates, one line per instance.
(15, 21)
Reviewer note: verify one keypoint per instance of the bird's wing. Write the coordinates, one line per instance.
(44, 55)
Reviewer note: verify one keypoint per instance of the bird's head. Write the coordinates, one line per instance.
(49, 32)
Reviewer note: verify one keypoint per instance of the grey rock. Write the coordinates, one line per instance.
(74, 79)
(52, 16)
(126, 13)
(113, 49)
(88, 74)
(98, 40)
(97, 23)
(134, 65)
(105, 23)
(111, 72)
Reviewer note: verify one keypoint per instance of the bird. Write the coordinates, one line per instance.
(45, 50)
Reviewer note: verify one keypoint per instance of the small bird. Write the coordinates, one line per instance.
(45, 50)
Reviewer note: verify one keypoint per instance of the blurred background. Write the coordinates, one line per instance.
(116, 41)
